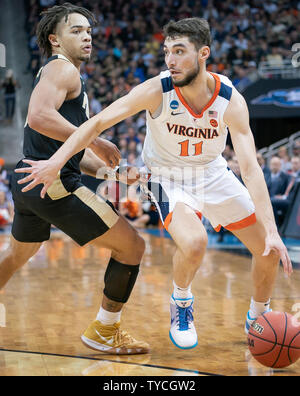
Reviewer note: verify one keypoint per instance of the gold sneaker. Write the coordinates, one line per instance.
(113, 340)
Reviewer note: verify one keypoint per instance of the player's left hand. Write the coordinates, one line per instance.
(274, 242)
(40, 172)
(107, 151)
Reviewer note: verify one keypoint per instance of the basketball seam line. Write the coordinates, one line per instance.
(282, 342)
(295, 336)
(272, 342)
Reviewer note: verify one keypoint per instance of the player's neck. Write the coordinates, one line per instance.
(199, 92)
(71, 60)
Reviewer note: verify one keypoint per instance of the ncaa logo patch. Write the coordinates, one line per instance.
(174, 105)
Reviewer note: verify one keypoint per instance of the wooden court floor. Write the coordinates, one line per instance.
(52, 299)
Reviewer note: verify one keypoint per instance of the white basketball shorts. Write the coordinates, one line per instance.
(212, 190)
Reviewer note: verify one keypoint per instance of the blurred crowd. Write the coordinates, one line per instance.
(127, 46)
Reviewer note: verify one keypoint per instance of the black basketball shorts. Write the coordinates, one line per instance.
(82, 214)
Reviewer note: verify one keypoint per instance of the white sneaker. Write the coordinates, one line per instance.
(182, 332)
(249, 321)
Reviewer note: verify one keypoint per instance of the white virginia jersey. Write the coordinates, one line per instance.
(179, 137)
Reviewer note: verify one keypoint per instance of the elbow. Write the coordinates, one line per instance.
(35, 119)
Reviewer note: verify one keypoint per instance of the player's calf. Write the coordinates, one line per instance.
(15, 256)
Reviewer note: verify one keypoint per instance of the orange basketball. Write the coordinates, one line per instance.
(274, 339)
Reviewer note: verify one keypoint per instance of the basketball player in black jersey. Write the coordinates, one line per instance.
(58, 105)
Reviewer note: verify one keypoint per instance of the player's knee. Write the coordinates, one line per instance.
(267, 263)
(132, 248)
(272, 257)
(195, 249)
(138, 245)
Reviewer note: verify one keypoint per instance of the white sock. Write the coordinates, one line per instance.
(257, 308)
(180, 292)
(108, 318)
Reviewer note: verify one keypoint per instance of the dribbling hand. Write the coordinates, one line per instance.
(40, 172)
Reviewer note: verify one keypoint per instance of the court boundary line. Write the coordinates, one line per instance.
(112, 361)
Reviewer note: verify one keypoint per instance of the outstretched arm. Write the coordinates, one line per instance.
(237, 119)
(146, 96)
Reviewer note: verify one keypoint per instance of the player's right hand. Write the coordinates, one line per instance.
(40, 172)
(274, 243)
(106, 151)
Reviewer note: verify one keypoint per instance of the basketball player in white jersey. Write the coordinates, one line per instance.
(189, 113)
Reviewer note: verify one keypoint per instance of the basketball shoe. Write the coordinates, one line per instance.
(111, 339)
(250, 321)
(182, 332)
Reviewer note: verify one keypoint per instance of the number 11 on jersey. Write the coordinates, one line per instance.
(185, 148)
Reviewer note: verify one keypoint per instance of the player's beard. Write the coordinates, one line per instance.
(85, 58)
(189, 78)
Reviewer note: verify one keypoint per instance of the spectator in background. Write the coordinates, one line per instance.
(10, 85)
(132, 159)
(265, 169)
(279, 179)
(295, 167)
(94, 104)
(275, 58)
(130, 206)
(148, 217)
(6, 210)
(4, 179)
(285, 159)
(123, 147)
(125, 125)
(110, 135)
(281, 203)
(296, 148)
(131, 136)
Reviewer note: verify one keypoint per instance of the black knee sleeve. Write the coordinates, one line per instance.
(119, 280)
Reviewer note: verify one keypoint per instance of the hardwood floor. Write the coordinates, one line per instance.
(54, 297)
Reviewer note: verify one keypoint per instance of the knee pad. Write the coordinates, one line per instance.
(119, 280)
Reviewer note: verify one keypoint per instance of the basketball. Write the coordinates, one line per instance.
(274, 339)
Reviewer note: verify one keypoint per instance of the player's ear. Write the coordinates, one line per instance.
(53, 40)
(204, 53)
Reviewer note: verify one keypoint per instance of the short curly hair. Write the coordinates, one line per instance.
(50, 19)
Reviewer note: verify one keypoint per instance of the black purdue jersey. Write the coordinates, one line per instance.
(40, 147)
